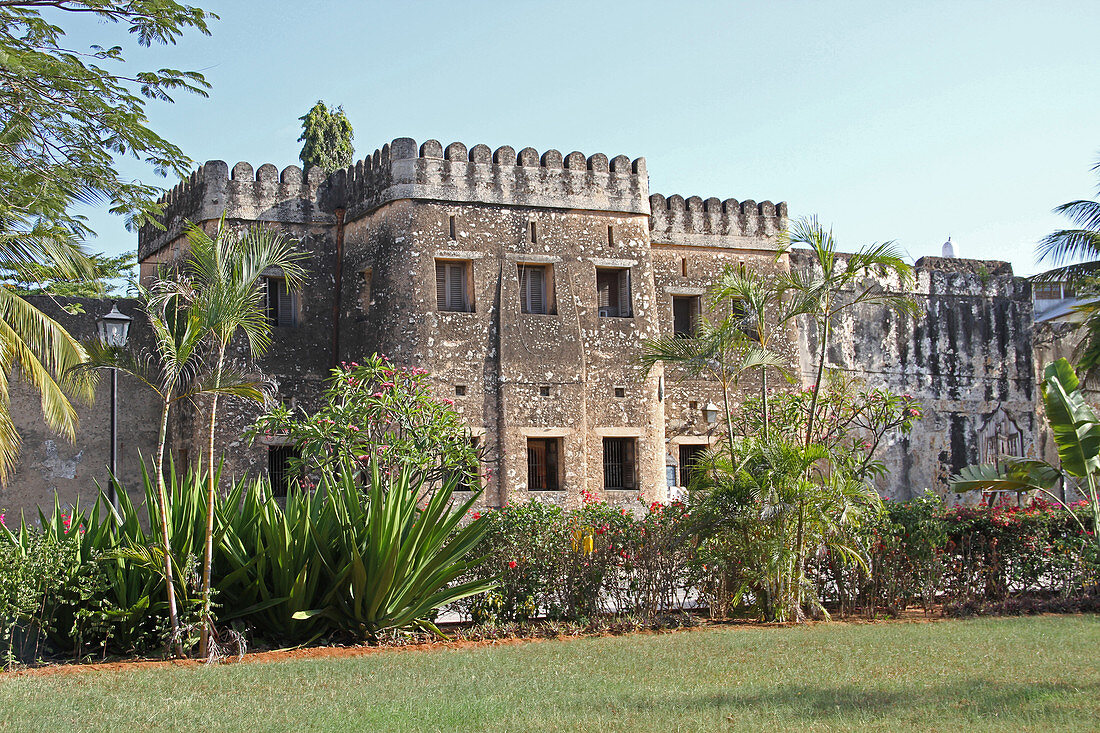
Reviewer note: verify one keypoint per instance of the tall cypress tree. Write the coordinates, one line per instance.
(327, 134)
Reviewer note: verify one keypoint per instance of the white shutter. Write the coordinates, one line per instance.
(624, 293)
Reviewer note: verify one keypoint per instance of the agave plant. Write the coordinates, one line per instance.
(344, 559)
(1076, 430)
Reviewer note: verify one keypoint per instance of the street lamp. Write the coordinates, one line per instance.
(710, 412)
(114, 331)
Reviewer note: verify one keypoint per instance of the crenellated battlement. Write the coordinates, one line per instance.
(244, 194)
(714, 223)
(401, 170)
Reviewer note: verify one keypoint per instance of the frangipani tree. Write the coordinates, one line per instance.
(1076, 430)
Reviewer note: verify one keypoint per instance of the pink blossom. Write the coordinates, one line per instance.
(353, 428)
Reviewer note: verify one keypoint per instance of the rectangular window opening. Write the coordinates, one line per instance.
(536, 291)
(685, 315)
(452, 286)
(279, 469)
(453, 228)
(610, 234)
(620, 391)
(282, 306)
(531, 233)
(460, 390)
(684, 266)
(542, 464)
(690, 455)
(619, 463)
(613, 292)
(544, 390)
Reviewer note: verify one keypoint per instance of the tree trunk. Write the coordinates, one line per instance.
(823, 347)
(164, 535)
(764, 398)
(211, 488)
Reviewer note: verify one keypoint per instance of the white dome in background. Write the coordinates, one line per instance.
(949, 249)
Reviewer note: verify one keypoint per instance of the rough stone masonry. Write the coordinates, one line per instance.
(525, 284)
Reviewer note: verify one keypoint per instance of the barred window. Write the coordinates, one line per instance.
(618, 463)
(279, 459)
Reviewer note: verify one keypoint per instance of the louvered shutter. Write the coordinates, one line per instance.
(533, 289)
(624, 293)
(440, 286)
(628, 464)
(603, 289)
(456, 287)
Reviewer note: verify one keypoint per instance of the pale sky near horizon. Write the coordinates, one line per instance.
(904, 121)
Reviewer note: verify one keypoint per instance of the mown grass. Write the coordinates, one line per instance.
(992, 674)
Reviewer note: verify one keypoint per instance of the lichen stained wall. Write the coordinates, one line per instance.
(966, 358)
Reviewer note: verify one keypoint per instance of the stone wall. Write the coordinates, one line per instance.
(49, 463)
(967, 358)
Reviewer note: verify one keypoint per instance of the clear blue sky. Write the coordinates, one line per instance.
(906, 121)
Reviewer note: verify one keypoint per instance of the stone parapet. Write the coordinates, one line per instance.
(715, 223)
(266, 195)
(401, 170)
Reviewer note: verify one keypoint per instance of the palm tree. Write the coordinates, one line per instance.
(36, 344)
(224, 284)
(721, 351)
(760, 312)
(1076, 256)
(818, 293)
(174, 370)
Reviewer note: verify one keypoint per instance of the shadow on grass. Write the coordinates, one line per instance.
(979, 698)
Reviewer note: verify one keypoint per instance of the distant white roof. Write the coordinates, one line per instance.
(949, 249)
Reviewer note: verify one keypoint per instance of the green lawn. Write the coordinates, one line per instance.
(997, 674)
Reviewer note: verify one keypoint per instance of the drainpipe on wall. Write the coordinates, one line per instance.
(338, 289)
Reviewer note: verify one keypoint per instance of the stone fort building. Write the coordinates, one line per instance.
(525, 284)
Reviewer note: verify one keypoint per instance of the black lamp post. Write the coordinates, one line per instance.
(114, 330)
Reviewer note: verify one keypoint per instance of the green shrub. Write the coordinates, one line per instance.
(345, 559)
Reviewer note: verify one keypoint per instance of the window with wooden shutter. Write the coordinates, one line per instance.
(452, 286)
(613, 292)
(542, 464)
(619, 463)
(282, 305)
(685, 315)
(534, 297)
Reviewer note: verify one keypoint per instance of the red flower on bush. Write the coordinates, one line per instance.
(512, 564)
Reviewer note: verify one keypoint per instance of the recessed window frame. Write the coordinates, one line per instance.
(454, 285)
(620, 463)
(685, 315)
(536, 288)
(279, 471)
(282, 306)
(544, 464)
(613, 293)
